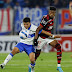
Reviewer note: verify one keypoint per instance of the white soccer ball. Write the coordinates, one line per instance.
(22, 35)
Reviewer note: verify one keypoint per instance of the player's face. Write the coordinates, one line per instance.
(52, 13)
(26, 24)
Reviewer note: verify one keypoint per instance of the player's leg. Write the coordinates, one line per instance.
(10, 56)
(30, 50)
(41, 43)
(37, 54)
(16, 50)
(56, 45)
(32, 57)
(32, 64)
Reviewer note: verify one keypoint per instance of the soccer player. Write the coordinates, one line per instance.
(47, 25)
(26, 43)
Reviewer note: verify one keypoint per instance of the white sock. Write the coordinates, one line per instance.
(58, 65)
(8, 58)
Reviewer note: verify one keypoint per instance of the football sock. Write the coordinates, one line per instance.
(8, 58)
(58, 65)
(32, 64)
(59, 53)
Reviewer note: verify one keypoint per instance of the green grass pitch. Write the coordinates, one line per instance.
(47, 62)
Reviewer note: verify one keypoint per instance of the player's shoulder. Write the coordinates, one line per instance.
(46, 16)
(33, 27)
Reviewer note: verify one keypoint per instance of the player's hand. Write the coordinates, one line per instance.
(57, 36)
(69, 24)
(35, 42)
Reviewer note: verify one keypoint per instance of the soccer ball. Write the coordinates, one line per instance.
(22, 35)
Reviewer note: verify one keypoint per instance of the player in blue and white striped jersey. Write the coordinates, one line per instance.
(26, 43)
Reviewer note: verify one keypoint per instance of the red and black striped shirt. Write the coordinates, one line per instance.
(47, 24)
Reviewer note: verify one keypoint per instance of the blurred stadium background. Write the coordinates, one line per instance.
(11, 14)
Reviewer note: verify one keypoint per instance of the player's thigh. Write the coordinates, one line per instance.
(53, 43)
(32, 56)
(29, 49)
(20, 46)
(41, 43)
(15, 50)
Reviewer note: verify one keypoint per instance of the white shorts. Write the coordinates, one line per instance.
(42, 42)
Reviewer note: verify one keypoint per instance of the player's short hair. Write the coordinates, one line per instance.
(26, 19)
(52, 8)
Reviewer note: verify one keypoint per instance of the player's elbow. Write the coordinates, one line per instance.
(37, 30)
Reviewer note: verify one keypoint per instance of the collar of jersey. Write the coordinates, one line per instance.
(29, 27)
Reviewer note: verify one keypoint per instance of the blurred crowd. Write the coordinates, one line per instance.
(34, 3)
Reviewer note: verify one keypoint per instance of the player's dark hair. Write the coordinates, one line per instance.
(26, 19)
(52, 8)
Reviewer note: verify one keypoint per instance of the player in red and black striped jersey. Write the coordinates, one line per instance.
(47, 25)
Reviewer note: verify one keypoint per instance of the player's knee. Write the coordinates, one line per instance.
(32, 60)
(15, 50)
(38, 51)
(55, 42)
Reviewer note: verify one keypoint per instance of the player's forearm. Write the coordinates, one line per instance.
(70, 25)
(46, 33)
(36, 34)
(37, 31)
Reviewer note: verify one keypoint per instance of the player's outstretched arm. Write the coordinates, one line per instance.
(49, 34)
(46, 33)
(69, 24)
